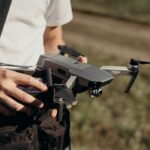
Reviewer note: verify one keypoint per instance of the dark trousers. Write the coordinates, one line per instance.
(17, 134)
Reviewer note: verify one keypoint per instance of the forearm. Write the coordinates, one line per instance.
(52, 38)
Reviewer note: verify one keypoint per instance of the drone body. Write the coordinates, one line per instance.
(63, 68)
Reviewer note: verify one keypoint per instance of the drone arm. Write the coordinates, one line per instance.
(131, 83)
(116, 70)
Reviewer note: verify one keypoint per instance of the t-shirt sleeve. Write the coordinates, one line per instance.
(59, 12)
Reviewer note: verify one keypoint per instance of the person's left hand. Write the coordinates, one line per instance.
(82, 59)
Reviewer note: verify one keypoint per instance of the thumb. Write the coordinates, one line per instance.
(53, 113)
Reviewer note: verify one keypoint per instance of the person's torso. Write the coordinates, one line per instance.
(21, 41)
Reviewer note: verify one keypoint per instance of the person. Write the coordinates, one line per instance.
(32, 28)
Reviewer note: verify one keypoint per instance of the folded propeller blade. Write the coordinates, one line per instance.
(137, 62)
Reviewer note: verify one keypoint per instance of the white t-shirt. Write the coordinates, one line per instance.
(21, 41)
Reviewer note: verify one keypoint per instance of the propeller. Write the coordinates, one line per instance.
(138, 62)
(134, 64)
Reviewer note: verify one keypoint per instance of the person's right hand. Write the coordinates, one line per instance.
(9, 80)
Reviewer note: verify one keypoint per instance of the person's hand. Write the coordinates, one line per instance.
(9, 92)
(82, 59)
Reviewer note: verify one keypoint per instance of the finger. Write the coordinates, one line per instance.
(82, 59)
(30, 81)
(27, 80)
(24, 97)
(11, 103)
(6, 111)
(53, 113)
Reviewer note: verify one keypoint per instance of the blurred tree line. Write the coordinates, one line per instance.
(136, 10)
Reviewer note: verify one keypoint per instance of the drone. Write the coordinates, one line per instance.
(66, 77)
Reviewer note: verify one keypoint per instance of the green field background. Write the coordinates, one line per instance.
(114, 121)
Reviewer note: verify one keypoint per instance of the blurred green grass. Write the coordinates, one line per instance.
(115, 120)
(136, 10)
